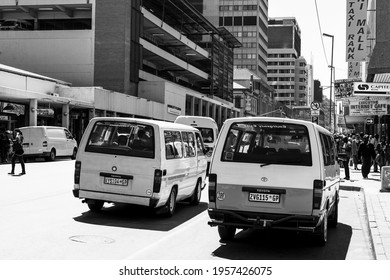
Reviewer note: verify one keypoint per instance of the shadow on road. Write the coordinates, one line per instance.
(138, 217)
(282, 245)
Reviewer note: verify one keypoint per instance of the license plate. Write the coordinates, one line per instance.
(264, 197)
(116, 181)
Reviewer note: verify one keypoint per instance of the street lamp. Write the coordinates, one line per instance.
(331, 83)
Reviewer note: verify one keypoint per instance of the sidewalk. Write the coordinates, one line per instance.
(378, 208)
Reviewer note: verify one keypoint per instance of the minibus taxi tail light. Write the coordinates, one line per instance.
(77, 172)
(318, 186)
(44, 144)
(212, 187)
(157, 180)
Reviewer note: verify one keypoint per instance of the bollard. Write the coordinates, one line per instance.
(385, 179)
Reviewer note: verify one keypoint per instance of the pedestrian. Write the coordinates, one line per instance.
(387, 152)
(367, 154)
(18, 152)
(4, 146)
(354, 151)
(381, 153)
(376, 143)
(346, 150)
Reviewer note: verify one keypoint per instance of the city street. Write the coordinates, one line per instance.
(41, 220)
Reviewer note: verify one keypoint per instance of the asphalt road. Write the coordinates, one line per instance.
(41, 220)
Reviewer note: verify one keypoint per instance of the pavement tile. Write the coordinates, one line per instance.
(378, 209)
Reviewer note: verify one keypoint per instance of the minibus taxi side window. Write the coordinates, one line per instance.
(325, 149)
(332, 150)
(199, 144)
(173, 144)
(189, 144)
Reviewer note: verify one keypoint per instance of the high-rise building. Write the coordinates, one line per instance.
(247, 21)
(287, 69)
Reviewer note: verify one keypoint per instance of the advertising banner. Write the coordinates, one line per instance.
(368, 107)
(344, 88)
(356, 30)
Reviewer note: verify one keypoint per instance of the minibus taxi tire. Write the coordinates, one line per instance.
(96, 206)
(195, 199)
(171, 203)
(52, 155)
(226, 233)
(333, 219)
(321, 236)
(74, 154)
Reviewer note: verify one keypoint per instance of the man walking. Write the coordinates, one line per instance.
(367, 154)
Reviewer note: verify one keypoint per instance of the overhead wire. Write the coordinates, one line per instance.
(321, 36)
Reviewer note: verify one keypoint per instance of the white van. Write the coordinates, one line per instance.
(138, 161)
(48, 142)
(207, 127)
(274, 173)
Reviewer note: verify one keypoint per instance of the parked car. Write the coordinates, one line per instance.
(273, 173)
(15, 24)
(48, 142)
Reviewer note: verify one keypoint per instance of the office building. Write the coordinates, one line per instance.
(287, 69)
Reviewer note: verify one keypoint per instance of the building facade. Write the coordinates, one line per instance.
(136, 58)
(247, 21)
(287, 69)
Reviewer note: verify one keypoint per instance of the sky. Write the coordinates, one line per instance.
(315, 48)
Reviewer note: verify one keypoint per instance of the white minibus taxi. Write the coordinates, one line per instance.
(274, 173)
(207, 127)
(141, 162)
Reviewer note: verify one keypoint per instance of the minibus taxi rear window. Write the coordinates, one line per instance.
(268, 143)
(207, 134)
(121, 138)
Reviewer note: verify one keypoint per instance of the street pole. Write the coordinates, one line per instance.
(331, 84)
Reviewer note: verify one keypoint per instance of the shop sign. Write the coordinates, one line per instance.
(174, 110)
(371, 89)
(47, 112)
(368, 107)
(4, 118)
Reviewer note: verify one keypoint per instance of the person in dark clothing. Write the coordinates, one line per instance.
(346, 148)
(4, 146)
(367, 153)
(18, 152)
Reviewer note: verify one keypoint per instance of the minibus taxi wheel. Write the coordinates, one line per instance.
(195, 198)
(171, 203)
(73, 156)
(52, 155)
(321, 234)
(333, 219)
(226, 233)
(95, 205)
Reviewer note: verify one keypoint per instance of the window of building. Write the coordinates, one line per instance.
(237, 21)
(250, 20)
(228, 21)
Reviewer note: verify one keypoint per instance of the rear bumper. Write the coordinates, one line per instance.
(236, 219)
(43, 154)
(113, 197)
